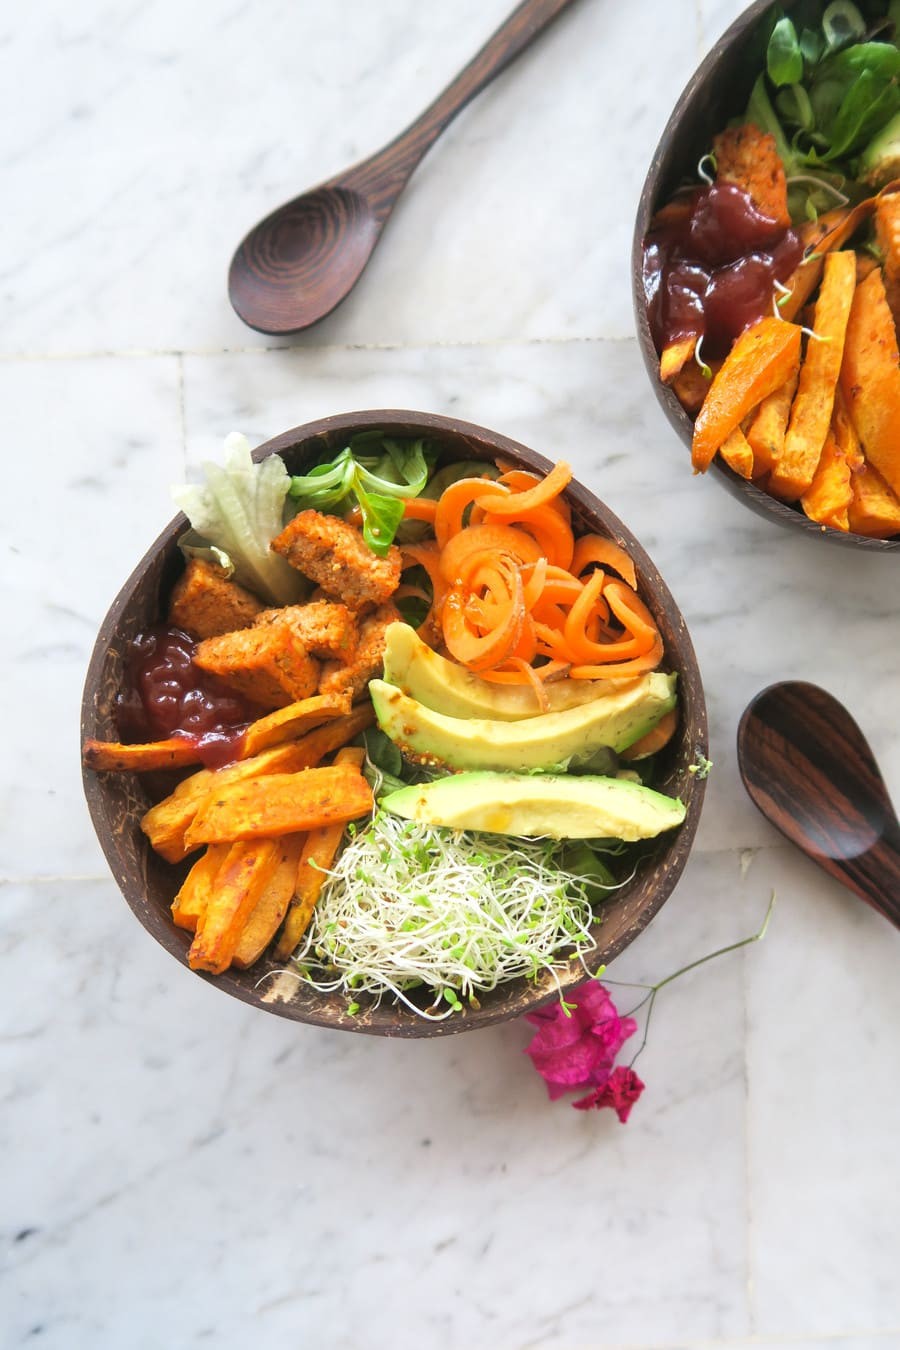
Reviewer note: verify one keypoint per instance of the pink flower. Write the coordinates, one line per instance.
(620, 1091)
(577, 1048)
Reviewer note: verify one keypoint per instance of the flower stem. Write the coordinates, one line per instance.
(653, 989)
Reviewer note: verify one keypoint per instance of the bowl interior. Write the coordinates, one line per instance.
(717, 92)
(149, 884)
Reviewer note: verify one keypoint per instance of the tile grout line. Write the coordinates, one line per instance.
(764, 1341)
(748, 1154)
(143, 353)
(54, 879)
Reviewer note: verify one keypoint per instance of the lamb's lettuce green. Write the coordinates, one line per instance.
(235, 515)
(831, 84)
(374, 472)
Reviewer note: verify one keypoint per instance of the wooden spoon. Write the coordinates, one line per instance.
(809, 769)
(295, 266)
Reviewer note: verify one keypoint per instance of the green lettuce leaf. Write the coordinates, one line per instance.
(238, 511)
(376, 472)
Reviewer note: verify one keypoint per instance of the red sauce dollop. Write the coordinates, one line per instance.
(165, 694)
(710, 271)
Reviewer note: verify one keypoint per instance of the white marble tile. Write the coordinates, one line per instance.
(218, 1172)
(824, 1113)
(176, 1168)
(93, 444)
(187, 127)
(715, 17)
(740, 582)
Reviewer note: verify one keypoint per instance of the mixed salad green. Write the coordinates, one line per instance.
(415, 903)
(830, 95)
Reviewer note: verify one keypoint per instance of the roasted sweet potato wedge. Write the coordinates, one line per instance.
(238, 885)
(111, 756)
(280, 803)
(870, 378)
(290, 723)
(811, 411)
(190, 904)
(760, 362)
(271, 907)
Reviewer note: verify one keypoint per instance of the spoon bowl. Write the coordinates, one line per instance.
(810, 770)
(298, 264)
(295, 266)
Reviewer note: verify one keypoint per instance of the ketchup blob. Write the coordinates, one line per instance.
(165, 694)
(710, 268)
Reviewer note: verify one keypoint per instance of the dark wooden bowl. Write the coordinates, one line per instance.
(117, 801)
(718, 91)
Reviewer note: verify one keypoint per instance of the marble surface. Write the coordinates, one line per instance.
(176, 1169)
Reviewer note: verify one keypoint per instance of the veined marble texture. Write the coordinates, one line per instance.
(176, 1169)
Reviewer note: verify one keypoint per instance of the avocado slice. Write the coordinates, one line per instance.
(449, 688)
(879, 163)
(548, 741)
(539, 806)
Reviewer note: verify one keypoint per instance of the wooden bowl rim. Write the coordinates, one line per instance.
(700, 82)
(519, 996)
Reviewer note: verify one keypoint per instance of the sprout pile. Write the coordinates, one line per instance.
(408, 905)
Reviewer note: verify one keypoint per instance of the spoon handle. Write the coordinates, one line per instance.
(383, 176)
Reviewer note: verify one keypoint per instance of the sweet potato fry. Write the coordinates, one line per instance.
(239, 882)
(765, 435)
(870, 378)
(845, 432)
(820, 238)
(874, 509)
(814, 401)
(674, 357)
(111, 756)
(318, 854)
(189, 905)
(759, 363)
(829, 494)
(280, 803)
(271, 907)
(166, 823)
(313, 748)
(887, 228)
(736, 452)
(290, 723)
(354, 755)
(692, 384)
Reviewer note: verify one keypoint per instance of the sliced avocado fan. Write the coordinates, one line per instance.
(539, 806)
(549, 741)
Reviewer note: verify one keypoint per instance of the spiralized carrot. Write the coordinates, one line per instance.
(513, 587)
(520, 481)
(420, 508)
(453, 501)
(496, 538)
(592, 548)
(512, 503)
(548, 527)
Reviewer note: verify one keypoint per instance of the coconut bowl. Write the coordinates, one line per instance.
(717, 91)
(148, 884)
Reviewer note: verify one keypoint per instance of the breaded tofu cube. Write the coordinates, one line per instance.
(749, 158)
(265, 663)
(334, 555)
(322, 627)
(352, 677)
(205, 603)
